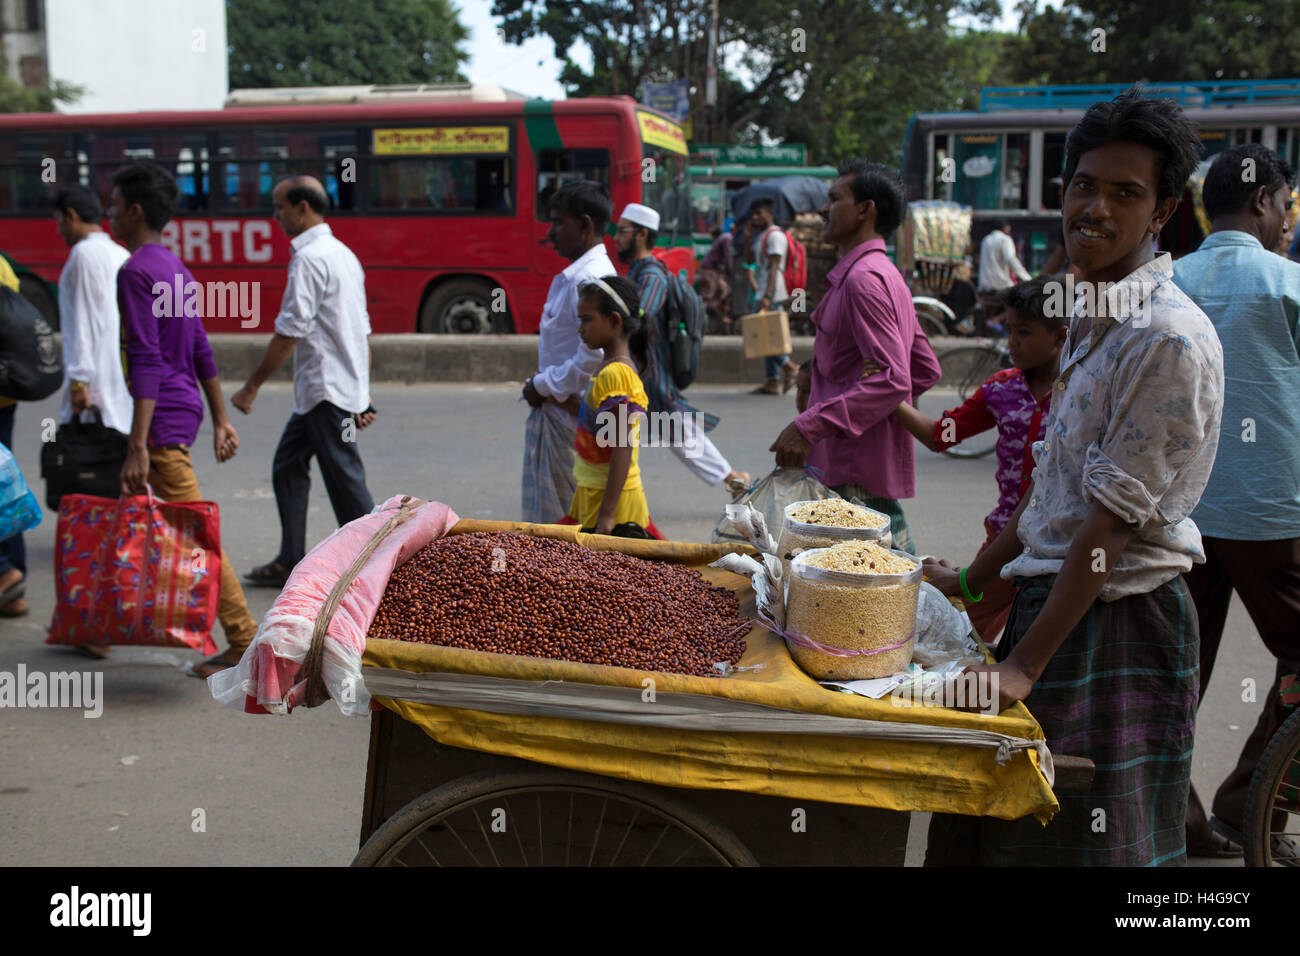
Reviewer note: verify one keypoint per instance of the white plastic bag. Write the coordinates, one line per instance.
(770, 495)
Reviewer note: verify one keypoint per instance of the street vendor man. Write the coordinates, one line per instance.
(870, 354)
(580, 212)
(1102, 642)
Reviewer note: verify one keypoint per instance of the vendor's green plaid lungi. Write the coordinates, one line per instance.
(1122, 691)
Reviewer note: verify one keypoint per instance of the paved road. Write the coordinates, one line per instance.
(124, 789)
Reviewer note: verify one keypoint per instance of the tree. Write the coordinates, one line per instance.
(16, 98)
(342, 42)
(842, 76)
(1157, 41)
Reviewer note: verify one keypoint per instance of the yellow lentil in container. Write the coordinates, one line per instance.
(827, 522)
(839, 599)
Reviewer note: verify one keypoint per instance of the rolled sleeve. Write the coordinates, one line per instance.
(1165, 423)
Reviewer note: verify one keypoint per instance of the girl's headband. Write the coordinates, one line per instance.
(623, 310)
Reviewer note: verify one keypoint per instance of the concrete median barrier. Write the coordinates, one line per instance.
(493, 358)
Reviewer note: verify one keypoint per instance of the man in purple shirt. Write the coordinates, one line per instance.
(870, 354)
(167, 357)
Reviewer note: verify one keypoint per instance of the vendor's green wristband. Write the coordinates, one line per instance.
(965, 589)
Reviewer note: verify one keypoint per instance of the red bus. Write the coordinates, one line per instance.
(443, 202)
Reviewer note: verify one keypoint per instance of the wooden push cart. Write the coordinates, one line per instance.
(428, 804)
(486, 760)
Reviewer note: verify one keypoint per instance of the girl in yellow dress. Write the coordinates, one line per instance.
(609, 498)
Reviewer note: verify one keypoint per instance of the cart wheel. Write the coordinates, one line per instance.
(549, 818)
(1271, 825)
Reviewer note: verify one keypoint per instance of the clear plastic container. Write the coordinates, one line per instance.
(848, 611)
(797, 536)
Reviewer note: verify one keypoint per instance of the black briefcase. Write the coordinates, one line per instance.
(85, 458)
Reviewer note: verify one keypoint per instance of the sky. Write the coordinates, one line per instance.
(532, 68)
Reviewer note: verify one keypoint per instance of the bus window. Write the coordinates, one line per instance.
(555, 167)
(944, 173)
(1053, 166)
(668, 192)
(443, 184)
(253, 161)
(978, 169)
(1015, 172)
(182, 153)
(1215, 141)
(1288, 145)
(33, 166)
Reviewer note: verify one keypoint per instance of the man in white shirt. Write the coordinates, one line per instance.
(998, 260)
(88, 316)
(770, 250)
(323, 322)
(580, 212)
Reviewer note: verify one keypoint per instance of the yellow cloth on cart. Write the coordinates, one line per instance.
(892, 775)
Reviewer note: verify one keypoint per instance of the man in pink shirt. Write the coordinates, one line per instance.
(870, 354)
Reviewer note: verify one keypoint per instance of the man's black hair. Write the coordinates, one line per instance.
(1002, 224)
(150, 187)
(883, 186)
(316, 200)
(762, 202)
(1029, 299)
(650, 236)
(1227, 186)
(1157, 123)
(82, 201)
(584, 198)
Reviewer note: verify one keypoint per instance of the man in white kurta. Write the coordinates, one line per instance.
(580, 212)
(88, 316)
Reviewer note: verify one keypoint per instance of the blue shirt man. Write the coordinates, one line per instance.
(1249, 514)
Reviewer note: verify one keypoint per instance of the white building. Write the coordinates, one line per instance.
(128, 54)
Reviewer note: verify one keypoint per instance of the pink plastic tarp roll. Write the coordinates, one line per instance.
(265, 680)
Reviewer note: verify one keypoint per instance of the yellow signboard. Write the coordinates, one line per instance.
(656, 131)
(442, 139)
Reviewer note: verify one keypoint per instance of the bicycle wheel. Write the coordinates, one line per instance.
(966, 368)
(549, 818)
(1271, 824)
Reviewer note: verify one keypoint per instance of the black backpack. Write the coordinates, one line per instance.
(31, 367)
(682, 326)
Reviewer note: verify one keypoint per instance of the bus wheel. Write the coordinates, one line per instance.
(464, 307)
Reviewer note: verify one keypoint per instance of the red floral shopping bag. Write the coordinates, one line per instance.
(136, 570)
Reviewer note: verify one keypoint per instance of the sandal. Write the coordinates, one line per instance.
(273, 575)
(14, 592)
(96, 652)
(215, 664)
(764, 390)
(1212, 845)
(16, 607)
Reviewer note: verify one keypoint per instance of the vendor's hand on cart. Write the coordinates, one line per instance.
(1008, 681)
(942, 575)
(791, 448)
(604, 525)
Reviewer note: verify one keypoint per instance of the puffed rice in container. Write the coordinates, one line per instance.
(854, 596)
(825, 523)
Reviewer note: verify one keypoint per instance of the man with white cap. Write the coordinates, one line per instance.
(635, 240)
